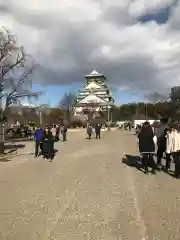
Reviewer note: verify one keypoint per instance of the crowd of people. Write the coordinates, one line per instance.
(45, 139)
(18, 130)
(167, 139)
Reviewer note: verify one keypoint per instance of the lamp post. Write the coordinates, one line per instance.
(2, 119)
(40, 117)
(109, 107)
(39, 112)
(146, 109)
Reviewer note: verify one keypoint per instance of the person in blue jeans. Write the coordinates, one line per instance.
(38, 136)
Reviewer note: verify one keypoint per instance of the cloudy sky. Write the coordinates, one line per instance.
(135, 43)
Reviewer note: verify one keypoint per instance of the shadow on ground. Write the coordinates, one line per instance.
(19, 140)
(55, 150)
(11, 148)
(4, 159)
(133, 161)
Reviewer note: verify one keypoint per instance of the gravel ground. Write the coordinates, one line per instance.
(88, 192)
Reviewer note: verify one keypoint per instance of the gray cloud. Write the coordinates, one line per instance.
(69, 40)
(5, 6)
(118, 16)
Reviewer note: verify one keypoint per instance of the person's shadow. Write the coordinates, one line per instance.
(133, 161)
(56, 150)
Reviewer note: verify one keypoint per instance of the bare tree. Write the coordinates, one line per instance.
(156, 97)
(67, 103)
(16, 66)
(68, 100)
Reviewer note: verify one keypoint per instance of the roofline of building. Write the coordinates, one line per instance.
(93, 104)
(95, 75)
(102, 96)
(94, 89)
(97, 96)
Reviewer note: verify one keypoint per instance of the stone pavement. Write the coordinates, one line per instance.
(87, 193)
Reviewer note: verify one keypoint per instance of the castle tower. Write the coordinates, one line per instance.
(96, 96)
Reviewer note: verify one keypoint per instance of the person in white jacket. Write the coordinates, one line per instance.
(173, 146)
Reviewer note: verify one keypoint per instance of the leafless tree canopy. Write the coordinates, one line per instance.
(68, 100)
(157, 97)
(16, 68)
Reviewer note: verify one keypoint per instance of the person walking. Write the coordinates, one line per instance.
(168, 155)
(57, 132)
(48, 145)
(53, 130)
(98, 131)
(173, 146)
(89, 131)
(64, 132)
(147, 147)
(109, 126)
(38, 136)
(161, 142)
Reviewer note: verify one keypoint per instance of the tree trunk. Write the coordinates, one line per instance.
(1, 138)
(1, 148)
(68, 115)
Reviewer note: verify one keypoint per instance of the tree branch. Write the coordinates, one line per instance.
(13, 57)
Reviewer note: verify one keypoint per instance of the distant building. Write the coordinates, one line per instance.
(95, 96)
(175, 93)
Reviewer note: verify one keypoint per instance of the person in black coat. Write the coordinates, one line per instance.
(161, 142)
(147, 146)
(48, 145)
(98, 131)
(57, 132)
(64, 132)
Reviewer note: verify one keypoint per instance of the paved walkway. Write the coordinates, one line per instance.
(87, 193)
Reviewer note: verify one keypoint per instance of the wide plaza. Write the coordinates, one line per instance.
(90, 191)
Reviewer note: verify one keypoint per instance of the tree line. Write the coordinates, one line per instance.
(159, 106)
(142, 110)
(131, 111)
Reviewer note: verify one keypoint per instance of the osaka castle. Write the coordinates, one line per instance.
(95, 96)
